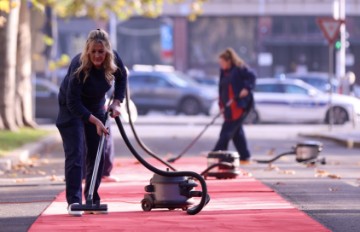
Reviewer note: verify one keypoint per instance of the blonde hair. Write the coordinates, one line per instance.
(97, 36)
(230, 55)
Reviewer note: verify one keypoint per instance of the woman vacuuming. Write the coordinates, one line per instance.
(236, 85)
(82, 112)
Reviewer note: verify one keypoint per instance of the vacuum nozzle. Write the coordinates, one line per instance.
(90, 207)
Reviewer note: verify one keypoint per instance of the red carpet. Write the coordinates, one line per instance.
(242, 204)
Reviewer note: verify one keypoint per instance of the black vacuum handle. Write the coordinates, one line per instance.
(205, 198)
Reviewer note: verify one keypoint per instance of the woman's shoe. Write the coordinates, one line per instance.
(109, 179)
(73, 212)
(245, 162)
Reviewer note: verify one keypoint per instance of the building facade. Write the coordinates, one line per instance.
(273, 36)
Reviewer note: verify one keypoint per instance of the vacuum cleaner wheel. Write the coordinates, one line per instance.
(147, 204)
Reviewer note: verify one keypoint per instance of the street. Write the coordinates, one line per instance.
(328, 193)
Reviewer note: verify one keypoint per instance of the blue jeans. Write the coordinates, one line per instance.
(80, 138)
(233, 130)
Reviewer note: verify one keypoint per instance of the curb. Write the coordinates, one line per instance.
(346, 142)
(23, 153)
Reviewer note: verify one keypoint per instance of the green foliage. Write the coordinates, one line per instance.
(12, 140)
(100, 9)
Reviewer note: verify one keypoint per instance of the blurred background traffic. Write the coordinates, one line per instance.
(173, 58)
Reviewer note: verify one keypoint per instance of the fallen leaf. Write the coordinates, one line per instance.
(271, 152)
(55, 178)
(334, 176)
(279, 183)
(20, 181)
(12, 175)
(335, 163)
(288, 172)
(272, 167)
(333, 189)
(44, 161)
(321, 173)
(244, 173)
(311, 165)
(35, 157)
(41, 172)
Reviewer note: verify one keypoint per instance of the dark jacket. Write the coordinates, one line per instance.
(232, 81)
(79, 99)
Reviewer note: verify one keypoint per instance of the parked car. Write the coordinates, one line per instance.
(167, 90)
(287, 100)
(46, 104)
(315, 79)
(207, 81)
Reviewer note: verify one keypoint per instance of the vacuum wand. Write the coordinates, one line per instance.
(97, 163)
(187, 148)
(89, 205)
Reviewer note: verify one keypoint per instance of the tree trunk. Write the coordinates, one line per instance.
(2, 71)
(24, 99)
(8, 35)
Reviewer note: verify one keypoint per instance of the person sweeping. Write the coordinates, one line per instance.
(81, 115)
(235, 86)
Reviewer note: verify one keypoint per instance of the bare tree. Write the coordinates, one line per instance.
(23, 94)
(8, 48)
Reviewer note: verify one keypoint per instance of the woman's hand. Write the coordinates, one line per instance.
(243, 93)
(114, 108)
(100, 128)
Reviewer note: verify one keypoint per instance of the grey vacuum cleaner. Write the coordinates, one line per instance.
(169, 189)
(305, 152)
(169, 192)
(222, 165)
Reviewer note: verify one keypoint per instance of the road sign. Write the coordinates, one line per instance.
(330, 28)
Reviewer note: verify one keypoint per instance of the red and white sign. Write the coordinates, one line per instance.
(330, 28)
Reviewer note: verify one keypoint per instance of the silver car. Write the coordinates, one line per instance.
(46, 103)
(167, 90)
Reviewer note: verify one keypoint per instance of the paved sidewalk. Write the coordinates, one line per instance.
(22, 154)
(346, 135)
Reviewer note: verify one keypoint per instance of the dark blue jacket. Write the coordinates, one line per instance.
(79, 99)
(232, 81)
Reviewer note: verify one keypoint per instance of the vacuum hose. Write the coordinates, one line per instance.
(275, 158)
(205, 198)
(137, 138)
(225, 165)
(228, 104)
